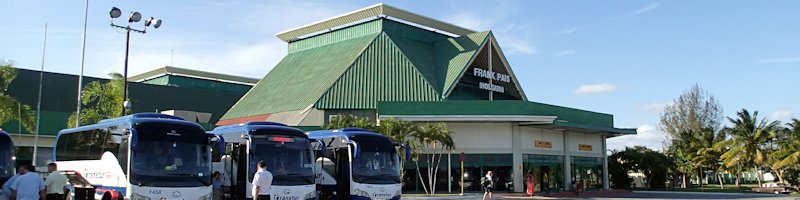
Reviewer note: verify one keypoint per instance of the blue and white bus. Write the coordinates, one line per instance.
(286, 151)
(356, 164)
(145, 156)
(7, 168)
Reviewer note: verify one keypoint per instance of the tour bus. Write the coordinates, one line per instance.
(144, 156)
(355, 163)
(6, 157)
(286, 151)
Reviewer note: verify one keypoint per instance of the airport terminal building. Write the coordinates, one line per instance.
(382, 62)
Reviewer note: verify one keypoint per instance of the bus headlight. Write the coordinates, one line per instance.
(205, 197)
(311, 195)
(361, 193)
(135, 196)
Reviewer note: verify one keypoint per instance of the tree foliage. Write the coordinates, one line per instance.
(432, 139)
(100, 100)
(10, 107)
(691, 123)
(748, 141)
(654, 165)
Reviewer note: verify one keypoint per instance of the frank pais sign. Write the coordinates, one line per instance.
(478, 72)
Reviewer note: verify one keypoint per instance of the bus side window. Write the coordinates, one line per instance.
(123, 155)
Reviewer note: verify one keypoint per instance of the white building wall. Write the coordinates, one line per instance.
(531, 135)
(574, 140)
(476, 137)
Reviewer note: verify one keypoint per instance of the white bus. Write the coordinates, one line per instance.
(286, 151)
(143, 156)
(7, 168)
(356, 164)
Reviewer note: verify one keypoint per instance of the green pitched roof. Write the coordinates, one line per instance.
(358, 66)
(456, 54)
(300, 79)
(59, 98)
(381, 73)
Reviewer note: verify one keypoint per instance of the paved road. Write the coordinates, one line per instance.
(628, 196)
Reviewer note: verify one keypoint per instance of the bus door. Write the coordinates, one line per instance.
(239, 182)
(342, 173)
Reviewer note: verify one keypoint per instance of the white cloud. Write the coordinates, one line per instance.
(654, 107)
(512, 38)
(470, 21)
(643, 10)
(565, 53)
(596, 88)
(568, 31)
(783, 115)
(779, 60)
(647, 135)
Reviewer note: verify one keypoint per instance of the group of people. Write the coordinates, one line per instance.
(262, 183)
(28, 185)
(488, 183)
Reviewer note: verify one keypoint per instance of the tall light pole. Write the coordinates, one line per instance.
(134, 17)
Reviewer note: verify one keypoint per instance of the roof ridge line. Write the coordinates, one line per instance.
(416, 68)
(472, 59)
(349, 67)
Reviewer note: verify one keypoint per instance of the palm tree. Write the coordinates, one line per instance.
(788, 153)
(707, 156)
(437, 139)
(10, 107)
(349, 121)
(402, 132)
(100, 101)
(747, 145)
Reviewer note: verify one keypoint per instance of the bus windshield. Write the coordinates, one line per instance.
(6, 161)
(288, 158)
(377, 163)
(171, 157)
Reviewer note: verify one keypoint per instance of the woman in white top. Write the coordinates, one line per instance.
(488, 185)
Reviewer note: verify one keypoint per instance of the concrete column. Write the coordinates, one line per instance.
(449, 173)
(567, 163)
(605, 164)
(516, 149)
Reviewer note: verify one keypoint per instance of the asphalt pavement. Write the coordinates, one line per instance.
(623, 196)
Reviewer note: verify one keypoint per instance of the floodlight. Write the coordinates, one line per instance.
(135, 17)
(157, 23)
(115, 12)
(149, 21)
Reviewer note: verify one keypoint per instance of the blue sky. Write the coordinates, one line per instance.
(627, 58)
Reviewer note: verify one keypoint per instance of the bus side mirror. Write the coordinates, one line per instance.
(407, 149)
(356, 150)
(322, 147)
(134, 140)
(220, 142)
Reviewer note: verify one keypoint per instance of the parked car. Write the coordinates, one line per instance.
(775, 188)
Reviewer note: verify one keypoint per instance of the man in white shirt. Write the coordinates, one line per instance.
(262, 182)
(56, 183)
(29, 186)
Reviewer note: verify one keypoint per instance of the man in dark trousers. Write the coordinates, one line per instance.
(56, 183)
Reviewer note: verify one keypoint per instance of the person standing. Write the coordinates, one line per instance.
(216, 180)
(56, 183)
(7, 185)
(531, 183)
(488, 185)
(29, 186)
(262, 182)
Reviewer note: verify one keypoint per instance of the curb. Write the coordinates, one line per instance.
(712, 193)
